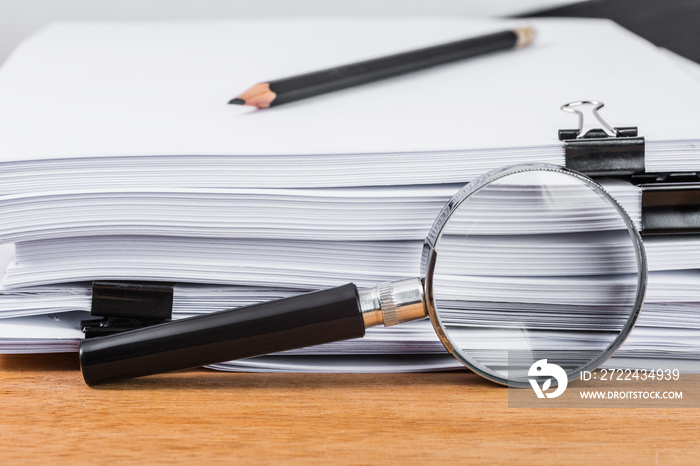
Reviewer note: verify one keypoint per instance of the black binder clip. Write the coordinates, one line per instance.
(602, 152)
(123, 306)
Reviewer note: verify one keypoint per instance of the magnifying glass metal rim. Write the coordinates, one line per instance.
(430, 256)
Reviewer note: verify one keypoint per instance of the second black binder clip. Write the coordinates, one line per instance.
(670, 201)
(121, 306)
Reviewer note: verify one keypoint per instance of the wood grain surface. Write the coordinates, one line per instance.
(49, 416)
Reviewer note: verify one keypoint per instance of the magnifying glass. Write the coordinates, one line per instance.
(525, 263)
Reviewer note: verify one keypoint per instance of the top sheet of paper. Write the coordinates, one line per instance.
(110, 89)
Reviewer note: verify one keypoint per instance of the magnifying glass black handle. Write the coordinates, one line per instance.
(306, 320)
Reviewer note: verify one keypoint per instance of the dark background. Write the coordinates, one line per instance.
(672, 24)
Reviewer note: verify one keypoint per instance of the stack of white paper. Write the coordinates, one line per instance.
(119, 159)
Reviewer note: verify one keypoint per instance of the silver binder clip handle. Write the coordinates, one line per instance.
(571, 108)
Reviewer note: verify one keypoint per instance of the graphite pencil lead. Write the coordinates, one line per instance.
(237, 101)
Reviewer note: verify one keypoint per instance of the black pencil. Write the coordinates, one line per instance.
(285, 90)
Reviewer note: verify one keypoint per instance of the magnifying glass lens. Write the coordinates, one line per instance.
(532, 264)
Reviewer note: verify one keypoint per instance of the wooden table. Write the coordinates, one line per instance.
(48, 415)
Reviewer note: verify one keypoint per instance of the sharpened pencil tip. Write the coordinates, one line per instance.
(237, 101)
